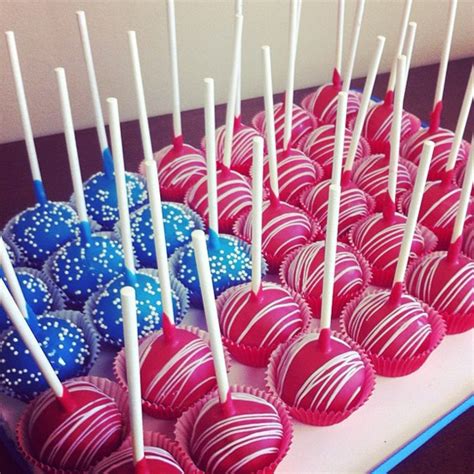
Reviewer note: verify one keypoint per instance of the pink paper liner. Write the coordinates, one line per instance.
(390, 367)
(259, 356)
(185, 423)
(110, 388)
(159, 410)
(316, 417)
(337, 306)
(384, 277)
(456, 323)
(158, 440)
(316, 233)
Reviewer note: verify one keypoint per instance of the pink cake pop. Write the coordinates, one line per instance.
(72, 425)
(285, 227)
(441, 137)
(379, 236)
(236, 429)
(233, 189)
(378, 121)
(468, 241)
(323, 102)
(397, 331)
(322, 377)
(179, 165)
(258, 316)
(444, 279)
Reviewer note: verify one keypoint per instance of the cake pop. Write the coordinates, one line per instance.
(237, 429)
(81, 266)
(397, 331)
(11, 250)
(176, 366)
(258, 316)
(441, 137)
(443, 280)
(468, 241)
(39, 230)
(322, 377)
(355, 204)
(230, 257)
(180, 165)
(99, 189)
(377, 124)
(104, 306)
(323, 102)
(285, 227)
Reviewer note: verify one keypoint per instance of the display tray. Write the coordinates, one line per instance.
(402, 413)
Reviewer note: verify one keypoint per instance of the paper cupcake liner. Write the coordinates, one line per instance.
(13, 249)
(159, 410)
(106, 386)
(186, 422)
(383, 277)
(337, 305)
(91, 337)
(177, 287)
(390, 367)
(47, 271)
(259, 356)
(317, 417)
(158, 440)
(316, 233)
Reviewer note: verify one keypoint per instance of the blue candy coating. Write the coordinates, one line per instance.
(230, 262)
(79, 269)
(41, 230)
(64, 345)
(107, 312)
(101, 197)
(179, 222)
(36, 293)
(10, 251)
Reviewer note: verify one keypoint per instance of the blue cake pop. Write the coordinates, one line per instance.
(11, 250)
(179, 222)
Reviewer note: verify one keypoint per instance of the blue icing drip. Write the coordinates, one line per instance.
(179, 224)
(36, 294)
(40, 193)
(86, 232)
(107, 313)
(101, 197)
(108, 163)
(41, 230)
(230, 263)
(130, 277)
(80, 270)
(64, 345)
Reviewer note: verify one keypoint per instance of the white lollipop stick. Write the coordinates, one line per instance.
(461, 124)
(410, 46)
(290, 83)
(238, 11)
(86, 47)
(364, 104)
(341, 5)
(177, 131)
(27, 336)
(207, 291)
(120, 183)
(330, 256)
(159, 238)
(270, 121)
(230, 111)
(465, 197)
(354, 43)
(339, 138)
(142, 114)
(71, 145)
(12, 279)
(443, 66)
(25, 116)
(396, 127)
(257, 197)
(410, 226)
(210, 124)
(401, 41)
(132, 359)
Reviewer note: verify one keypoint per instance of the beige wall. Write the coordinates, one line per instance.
(47, 37)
